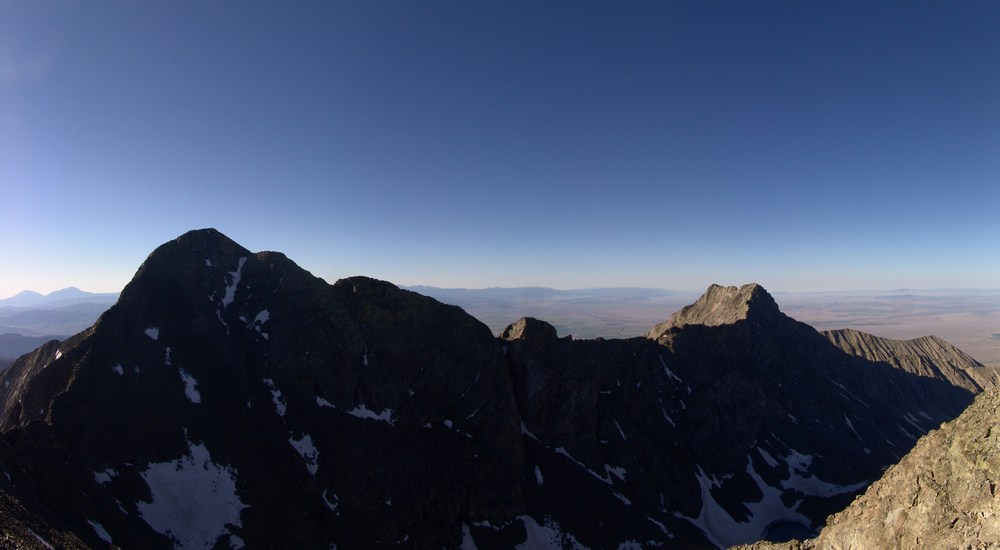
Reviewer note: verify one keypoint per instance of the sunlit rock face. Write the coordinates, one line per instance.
(232, 399)
(942, 494)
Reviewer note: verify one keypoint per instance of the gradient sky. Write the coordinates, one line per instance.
(802, 145)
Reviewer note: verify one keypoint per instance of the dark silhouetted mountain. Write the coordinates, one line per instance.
(232, 399)
(13, 346)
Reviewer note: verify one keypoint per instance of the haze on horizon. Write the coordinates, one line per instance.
(803, 146)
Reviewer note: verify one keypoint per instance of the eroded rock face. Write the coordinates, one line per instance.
(927, 356)
(943, 494)
(723, 305)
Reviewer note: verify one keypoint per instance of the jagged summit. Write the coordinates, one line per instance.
(723, 305)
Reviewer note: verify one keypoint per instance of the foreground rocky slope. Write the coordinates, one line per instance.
(943, 494)
(232, 399)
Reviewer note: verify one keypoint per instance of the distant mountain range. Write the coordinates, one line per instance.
(29, 319)
(59, 298)
(230, 399)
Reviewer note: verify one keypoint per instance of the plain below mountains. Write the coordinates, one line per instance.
(231, 399)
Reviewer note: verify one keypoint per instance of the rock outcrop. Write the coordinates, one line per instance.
(723, 305)
(232, 399)
(943, 494)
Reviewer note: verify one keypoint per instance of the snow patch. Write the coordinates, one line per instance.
(467, 542)
(855, 397)
(234, 281)
(106, 476)
(361, 411)
(307, 450)
(39, 538)
(722, 529)
(193, 499)
(564, 452)
(548, 534)
(538, 476)
(621, 432)
(153, 333)
(258, 322)
(99, 529)
(58, 354)
(767, 457)
(190, 387)
(118, 369)
(914, 422)
(617, 471)
(324, 403)
(667, 417)
(667, 370)
(331, 504)
(800, 479)
(279, 402)
(527, 432)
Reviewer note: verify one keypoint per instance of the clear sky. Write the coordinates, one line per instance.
(802, 145)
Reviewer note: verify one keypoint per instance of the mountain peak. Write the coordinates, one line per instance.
(723, 305)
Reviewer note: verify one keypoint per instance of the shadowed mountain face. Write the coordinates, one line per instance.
(232, 399)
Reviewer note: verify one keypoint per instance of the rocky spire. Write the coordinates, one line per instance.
(723, 305)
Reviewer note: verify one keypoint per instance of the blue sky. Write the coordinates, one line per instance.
(801, 145)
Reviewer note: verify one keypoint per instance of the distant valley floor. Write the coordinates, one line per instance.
(969, 319)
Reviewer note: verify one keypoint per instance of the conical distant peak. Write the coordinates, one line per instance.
(723, 305)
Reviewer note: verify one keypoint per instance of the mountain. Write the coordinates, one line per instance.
(29, 318)
(63, 320)
(13, 346)
(232, 399)
(942, 494)
(59, 298)
(23, 299)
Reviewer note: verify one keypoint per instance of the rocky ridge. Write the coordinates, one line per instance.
(927, 356)
(292, 412)
(942, 494)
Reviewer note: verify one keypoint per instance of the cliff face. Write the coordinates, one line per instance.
(942, 494)
(232, 399)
